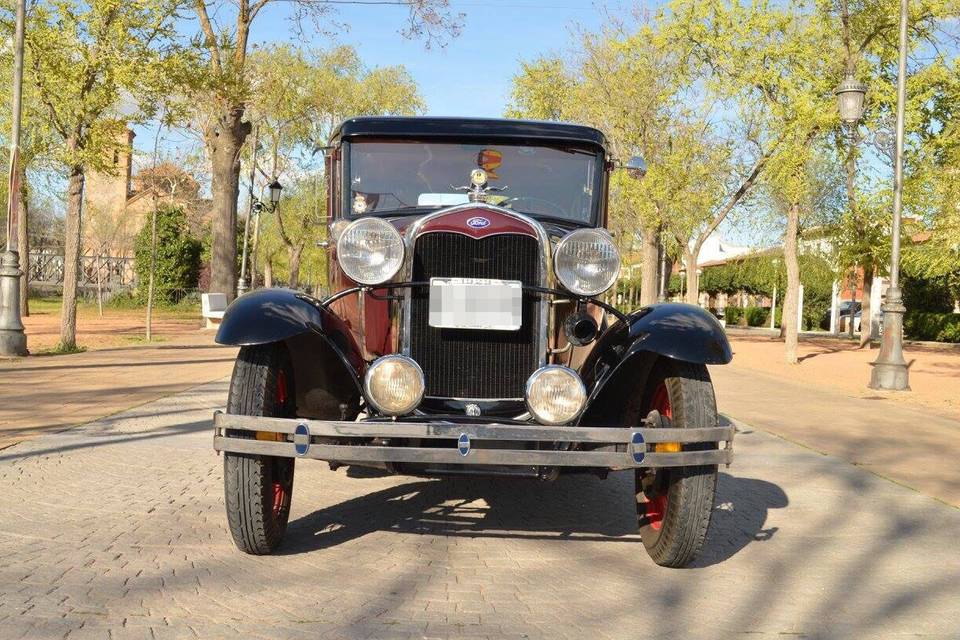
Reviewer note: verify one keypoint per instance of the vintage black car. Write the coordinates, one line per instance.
(467, 335)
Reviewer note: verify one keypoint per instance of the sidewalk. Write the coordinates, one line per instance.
(911, 445)
(50, 393)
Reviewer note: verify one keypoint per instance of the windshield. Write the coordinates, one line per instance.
(399, 177)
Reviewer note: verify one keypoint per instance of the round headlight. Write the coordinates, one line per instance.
(586, 262)
(394, 385)
(370, 251)
(555, 395)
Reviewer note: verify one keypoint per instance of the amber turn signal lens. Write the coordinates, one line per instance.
(667, 447)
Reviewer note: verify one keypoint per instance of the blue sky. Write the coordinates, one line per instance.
(471, 76)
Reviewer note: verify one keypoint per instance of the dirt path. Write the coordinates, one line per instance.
(839, 366)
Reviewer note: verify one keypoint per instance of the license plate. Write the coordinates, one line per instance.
(473, 303)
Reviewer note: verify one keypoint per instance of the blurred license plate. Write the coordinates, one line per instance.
(473, 303)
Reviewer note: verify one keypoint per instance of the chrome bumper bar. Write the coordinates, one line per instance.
(608, 447)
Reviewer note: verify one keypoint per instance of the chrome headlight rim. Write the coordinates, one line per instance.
(390, 230)
(572, 236)
(573, 376)
(371, 399)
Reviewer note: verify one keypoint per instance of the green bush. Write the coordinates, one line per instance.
(732, 315)
(757, 316)
(926, 294)
(939, 327)
(178, 256)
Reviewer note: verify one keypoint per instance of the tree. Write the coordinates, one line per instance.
(177, 263)
(299, 98)
(37, 141)
(223, 92)
(85, 60)
(868, 45)
(627, 85)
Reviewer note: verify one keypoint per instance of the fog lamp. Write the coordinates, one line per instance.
(394, 385)
(555, 395)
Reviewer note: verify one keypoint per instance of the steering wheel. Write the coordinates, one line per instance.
(552, 207)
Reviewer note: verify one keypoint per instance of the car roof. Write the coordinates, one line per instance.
(479, 129)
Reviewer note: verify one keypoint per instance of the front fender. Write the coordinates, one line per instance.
(679, 331)
(326, 360)
(626, 352)
(269, 315)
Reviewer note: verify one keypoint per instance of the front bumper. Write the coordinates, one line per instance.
(374, 441)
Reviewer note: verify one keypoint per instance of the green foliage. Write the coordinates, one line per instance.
(298, 97)
(939, 327)
(88, 57)
(178, 256)
(932, 295)
(747, 316)
(542, 90)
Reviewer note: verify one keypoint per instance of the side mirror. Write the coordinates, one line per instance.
(636, 167)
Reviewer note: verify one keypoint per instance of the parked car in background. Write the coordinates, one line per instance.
(467, 334)
(843, 313)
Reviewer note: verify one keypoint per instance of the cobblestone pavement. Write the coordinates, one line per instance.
(116, 530)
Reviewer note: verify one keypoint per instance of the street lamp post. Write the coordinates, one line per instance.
(13, 341)
(242, 281)
(256, 207)
(890, 369)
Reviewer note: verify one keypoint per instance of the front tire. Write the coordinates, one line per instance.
(674, 504)
(258, 489)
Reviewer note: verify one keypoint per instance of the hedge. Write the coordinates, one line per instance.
(938, 327)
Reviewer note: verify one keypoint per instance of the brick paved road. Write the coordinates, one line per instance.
(116, 530)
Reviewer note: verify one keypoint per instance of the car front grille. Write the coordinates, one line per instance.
(468, 363)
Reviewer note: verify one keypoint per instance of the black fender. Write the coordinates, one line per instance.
(326, 359)
(617, 368)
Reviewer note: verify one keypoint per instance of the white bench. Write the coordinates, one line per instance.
(212, 307)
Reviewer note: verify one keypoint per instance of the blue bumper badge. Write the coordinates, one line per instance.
(637, 446)
(463, 444)
(301, 439)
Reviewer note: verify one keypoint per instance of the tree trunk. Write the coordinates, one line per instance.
(223, 145)
(693, 284)
(866, 314)
(294, 254)
(23, 243)
(152, 280)
(267, 273)
(667, 264)
(71, 260)
(649, 256)
(792, 298)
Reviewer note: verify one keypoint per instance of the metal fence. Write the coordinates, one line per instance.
(111, 273)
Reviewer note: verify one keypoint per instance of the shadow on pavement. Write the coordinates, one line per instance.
(739, 517)
(573, 507)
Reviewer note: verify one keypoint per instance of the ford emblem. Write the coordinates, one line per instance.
(463, 444)
(478, 222)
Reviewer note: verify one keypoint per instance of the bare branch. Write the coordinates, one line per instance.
(211, 36)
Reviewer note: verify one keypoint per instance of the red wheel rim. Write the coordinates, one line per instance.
(655, 508)
(661, 401)
(279, 497)
(281, 392)
(280, 400)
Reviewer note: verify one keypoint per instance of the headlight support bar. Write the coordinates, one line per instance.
(559, 293)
